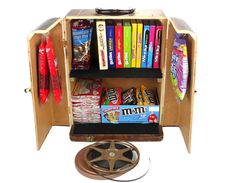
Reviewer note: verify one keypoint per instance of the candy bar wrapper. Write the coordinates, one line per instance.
(111, 96)
(148, 96)
(179, 66)
(81, 41)
(128, 97)
(139, 96)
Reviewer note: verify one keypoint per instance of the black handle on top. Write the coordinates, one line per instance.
(114, 12)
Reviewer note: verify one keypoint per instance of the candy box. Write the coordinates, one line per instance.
(130, 114)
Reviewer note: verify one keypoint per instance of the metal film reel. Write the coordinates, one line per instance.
(112, 157)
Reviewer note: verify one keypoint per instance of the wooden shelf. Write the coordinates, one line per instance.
(128, 132)
(94, 72)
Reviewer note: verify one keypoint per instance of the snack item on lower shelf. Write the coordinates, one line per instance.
(128, 97)
(139, 96)
(179, 66)
(81, 39)
(86, 98)
(148, 96)
(87, 89)
(111, 96)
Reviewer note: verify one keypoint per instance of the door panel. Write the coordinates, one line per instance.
(50, 113)
(174, 113)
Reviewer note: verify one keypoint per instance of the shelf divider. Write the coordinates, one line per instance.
(94, 72)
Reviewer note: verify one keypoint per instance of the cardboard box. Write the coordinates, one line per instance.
(130, 114)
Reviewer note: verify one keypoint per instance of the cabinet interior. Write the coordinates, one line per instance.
(124, 83)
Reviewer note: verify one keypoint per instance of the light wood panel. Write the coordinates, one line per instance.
(50, 113)
(43, 113)
(175, 113)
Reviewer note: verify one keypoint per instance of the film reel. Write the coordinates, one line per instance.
(107, 159)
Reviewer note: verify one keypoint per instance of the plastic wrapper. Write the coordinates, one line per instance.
(81, 42)
(179, 66)
(43, 72)
(128, 97)
(86, 97)
(148, 96)
(54, 70)
(139, 96)
(111, 96)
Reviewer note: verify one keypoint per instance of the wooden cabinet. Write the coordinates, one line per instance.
(171, 112)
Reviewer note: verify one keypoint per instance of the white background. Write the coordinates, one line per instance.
(214, 138)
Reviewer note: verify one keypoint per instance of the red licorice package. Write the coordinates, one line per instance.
(43, 72)
(111, 96)
(53, 69)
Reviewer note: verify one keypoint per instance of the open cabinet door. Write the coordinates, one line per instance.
(50, 113)
(175, 113)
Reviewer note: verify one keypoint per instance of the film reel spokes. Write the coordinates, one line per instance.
(112, 157)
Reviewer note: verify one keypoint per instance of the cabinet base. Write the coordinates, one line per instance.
(126, 132)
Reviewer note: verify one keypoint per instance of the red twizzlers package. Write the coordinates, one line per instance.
(53, 69)
(111, 96)
(43, 72)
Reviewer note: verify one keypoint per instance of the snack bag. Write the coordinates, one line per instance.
(43, 72)
(139, 96)
(148, 96)
(53, 69)
(179, 66)
(81, 41)
(111, 96)
(128, 97)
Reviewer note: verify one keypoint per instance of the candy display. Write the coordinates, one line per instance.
(86, 97)
(148, 96)
(179, 66)
(92, 104)
(81, 40)
(54, 70)
(43, 72)
(138, 105)
(111, 96)
(128, 97)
